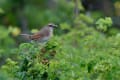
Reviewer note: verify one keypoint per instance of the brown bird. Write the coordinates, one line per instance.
(43, 35)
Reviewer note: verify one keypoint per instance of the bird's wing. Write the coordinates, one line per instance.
(36, 36)
(45, 31)
(42, 33)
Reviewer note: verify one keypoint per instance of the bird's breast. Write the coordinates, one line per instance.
(44, 39)
(51, 32)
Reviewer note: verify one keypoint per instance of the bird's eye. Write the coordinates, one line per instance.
(50, 25)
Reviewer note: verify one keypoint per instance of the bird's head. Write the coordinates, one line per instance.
(52, 25)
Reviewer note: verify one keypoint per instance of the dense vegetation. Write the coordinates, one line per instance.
(84, 47)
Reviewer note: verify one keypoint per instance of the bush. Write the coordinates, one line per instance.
(80, 54)
(77, 52)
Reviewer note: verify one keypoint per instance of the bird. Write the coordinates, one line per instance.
(43, 35)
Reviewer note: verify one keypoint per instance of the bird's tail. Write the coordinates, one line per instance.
(26, 36)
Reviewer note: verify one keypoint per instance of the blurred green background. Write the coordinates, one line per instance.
(88, 33)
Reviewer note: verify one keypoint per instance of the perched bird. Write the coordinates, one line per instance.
(43, 35)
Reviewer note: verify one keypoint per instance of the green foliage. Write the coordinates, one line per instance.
(104, 24)
(36, 62)
(83, 19)
(65, 26)
(6, 42)
(83, 53)
(1, 11)
(9, 70)
(79, 53)
(90, 58)
(39, 10)
(113, 31)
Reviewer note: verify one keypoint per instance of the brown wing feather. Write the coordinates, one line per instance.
(42, 33)
(36, 36)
